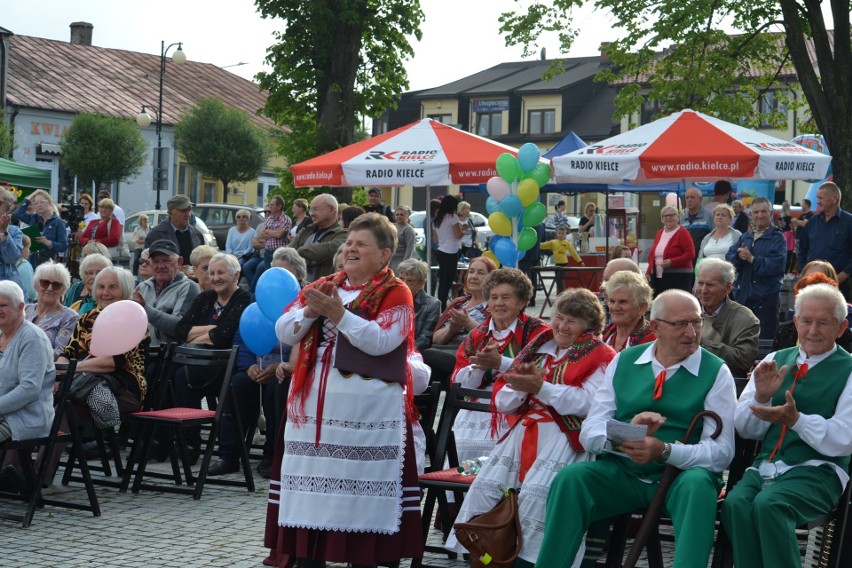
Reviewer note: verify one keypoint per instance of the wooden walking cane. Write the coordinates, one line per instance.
(652, 515)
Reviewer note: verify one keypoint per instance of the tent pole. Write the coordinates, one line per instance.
(427, 232)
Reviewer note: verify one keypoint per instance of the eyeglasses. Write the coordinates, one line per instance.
(144, 261)
(682, 325)
(50, 284)
(242, 216)
(40, 202)
(267, 211)
(669, 216)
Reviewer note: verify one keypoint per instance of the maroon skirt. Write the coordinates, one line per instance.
(286, 544)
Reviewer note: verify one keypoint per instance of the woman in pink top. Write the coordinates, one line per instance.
(670, 257)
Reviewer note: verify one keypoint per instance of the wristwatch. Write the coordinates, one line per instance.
(667, 452)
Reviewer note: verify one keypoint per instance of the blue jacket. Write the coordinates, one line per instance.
(828, 240)
(54, 229)
(762, 278)
(10, 252)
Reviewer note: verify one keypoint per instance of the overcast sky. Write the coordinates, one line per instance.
(460, 37)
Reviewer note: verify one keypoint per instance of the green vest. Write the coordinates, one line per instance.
(815, 393)
(683, 398)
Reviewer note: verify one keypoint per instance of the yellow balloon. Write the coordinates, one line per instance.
(500, 223)
(493, 257)
(528, 191)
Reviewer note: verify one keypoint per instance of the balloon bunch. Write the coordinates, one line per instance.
(513, 206)
(276, 289)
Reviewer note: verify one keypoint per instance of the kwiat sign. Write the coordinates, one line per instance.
(405, 165)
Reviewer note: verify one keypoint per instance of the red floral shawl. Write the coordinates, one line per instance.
(382, 292)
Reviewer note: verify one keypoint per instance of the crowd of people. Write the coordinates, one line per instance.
(343, 447)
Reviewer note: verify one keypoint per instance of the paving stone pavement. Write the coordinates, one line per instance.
(151, 529)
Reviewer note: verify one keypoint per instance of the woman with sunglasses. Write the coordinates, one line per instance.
(52, 280)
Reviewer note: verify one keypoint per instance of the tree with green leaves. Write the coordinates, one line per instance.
(7, 144)
(336, 60)
(103, 149)
(221, 142)
(706, 69)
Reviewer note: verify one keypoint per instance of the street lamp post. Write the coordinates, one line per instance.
(161, 174)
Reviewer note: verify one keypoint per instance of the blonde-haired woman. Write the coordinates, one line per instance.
(54, 235)
(106, 229)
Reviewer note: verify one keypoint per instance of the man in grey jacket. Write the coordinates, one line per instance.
(168, 294)
(318, 242)
(730, 330)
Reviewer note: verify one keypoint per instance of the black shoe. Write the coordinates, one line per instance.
(158, 452)
(91, 451)
(12, 481)
(264, 468)
(222, 467)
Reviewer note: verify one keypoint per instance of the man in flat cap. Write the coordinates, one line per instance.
(376, 206)
(177, 228)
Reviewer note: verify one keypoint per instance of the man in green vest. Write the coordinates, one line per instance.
(799, 403)
(663, 385)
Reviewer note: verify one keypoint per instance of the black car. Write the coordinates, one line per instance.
(220, 218)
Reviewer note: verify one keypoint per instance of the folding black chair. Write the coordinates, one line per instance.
(437, 481)
(36, 477)
(427, 407)
(214, 360)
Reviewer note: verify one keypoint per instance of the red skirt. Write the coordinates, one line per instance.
(286, 544)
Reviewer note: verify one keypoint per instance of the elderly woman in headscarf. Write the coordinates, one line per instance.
(545, 395)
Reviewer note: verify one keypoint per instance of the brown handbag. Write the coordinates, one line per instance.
(493, 538)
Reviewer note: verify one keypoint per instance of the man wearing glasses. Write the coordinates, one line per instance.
(760, 257)
(318, 242)
(662, 385)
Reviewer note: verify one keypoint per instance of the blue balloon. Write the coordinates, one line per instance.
(492, 205)
(276, 289)
(511, 205)
(256, 331)
(521, 255)
(528, 156)
(506, 252)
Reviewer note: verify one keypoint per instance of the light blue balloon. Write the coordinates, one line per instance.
(511, 205)
(528, 156)
(256, 331)
(492, 205)
(506, 252)
(276, 289)
(521, 255)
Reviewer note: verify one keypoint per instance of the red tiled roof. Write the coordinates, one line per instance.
(57, 75)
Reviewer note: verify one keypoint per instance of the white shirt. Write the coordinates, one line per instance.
(567, 400)
(714, 455)
(829, 436)
(448, 242)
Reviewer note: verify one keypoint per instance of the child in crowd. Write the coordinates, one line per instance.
(561, 247)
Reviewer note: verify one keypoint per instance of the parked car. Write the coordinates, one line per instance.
(550, 226)
(483, 231)
(154, 218)
(220, 217)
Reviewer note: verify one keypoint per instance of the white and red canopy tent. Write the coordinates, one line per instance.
(689, 145)
(422, 153)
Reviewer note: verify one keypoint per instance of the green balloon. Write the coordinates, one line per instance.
(541, 174)
(508, 167)
(527, 238)
(534, 215)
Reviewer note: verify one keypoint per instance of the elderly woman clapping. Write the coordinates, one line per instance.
(489, 351)
(352, 328)
(554, 378)
(55, 320)
(27, 372)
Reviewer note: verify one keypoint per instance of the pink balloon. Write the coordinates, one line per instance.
(119, 328)
(498, 188)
